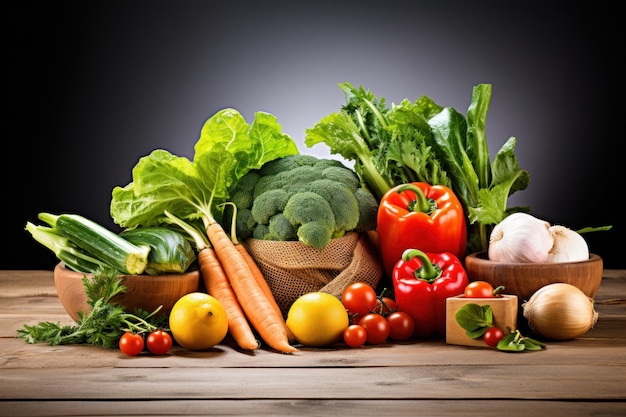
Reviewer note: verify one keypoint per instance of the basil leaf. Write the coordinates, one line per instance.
(474, 319)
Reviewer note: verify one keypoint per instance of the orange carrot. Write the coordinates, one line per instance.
(260, 279)
(217, 285)
(254, 303)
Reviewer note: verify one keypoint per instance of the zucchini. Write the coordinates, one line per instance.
(170, 251)
(71, 255)
(100, 242)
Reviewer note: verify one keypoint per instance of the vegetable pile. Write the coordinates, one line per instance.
(423, 180)
(423, 141)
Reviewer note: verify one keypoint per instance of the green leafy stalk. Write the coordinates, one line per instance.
(423, 141)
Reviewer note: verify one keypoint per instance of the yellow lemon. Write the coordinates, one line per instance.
(317, 319)
(198, 321)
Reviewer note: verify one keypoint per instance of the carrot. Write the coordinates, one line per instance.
(260, 279)
(253, 301)
(217, 285)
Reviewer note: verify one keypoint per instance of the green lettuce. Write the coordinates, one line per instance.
(194, 190)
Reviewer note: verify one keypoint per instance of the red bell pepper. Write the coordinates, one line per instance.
(422, 282)
(421, 216)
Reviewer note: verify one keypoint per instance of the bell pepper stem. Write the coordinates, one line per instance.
(421, 202)
(428, 271)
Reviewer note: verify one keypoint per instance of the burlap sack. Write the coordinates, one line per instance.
(292, 269)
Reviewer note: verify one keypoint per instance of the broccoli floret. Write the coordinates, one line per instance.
(269, 203)
(368, 210)
(245, 224)
(341, 200)
(303, 197)
(242, 192)
(343, 176)
(280, 229)
(287, 163)
(260, 231)
(313, 218)
(322, 163)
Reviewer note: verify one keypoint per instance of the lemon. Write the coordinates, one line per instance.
(317, 319)
(198, 321)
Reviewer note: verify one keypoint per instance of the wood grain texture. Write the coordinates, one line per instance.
(582, 377)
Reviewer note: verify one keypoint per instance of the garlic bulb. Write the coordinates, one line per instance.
(569, 246)
(560, 311)
(520, 238)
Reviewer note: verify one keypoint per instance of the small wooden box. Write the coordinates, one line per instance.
(504, 316)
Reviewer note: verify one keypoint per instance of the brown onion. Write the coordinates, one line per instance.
(560, 311)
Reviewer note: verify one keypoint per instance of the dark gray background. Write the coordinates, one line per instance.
(93, 86)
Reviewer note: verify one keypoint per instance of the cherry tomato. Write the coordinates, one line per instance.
(492, 336)
(131, 343)
(385, 305)
(355, 336)
(479, 289)
(376, 326)
(159, 342)
(359, 298)
(401, 325)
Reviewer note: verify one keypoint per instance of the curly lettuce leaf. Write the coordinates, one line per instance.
(227, 148)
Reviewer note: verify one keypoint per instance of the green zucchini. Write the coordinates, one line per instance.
(100, 242)
(71, 255)
(170, 251)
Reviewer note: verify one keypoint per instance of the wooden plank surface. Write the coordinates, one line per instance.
(582, 377)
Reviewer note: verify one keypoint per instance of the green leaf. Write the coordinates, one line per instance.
(476, 144)
(227, 149)
(449, 129)
(475, 319)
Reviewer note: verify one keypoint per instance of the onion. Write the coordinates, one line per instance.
(520, 238)
(569, 246)
(560, 311)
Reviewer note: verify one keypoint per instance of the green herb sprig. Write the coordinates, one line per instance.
(103, 325)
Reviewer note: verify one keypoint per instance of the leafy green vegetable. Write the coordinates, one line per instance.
(515, 342)
(105, 323)
(194, 190)
(423, 141)
(474, 319)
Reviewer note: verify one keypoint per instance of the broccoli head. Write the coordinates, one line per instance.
(342, 202)
(313, 218)
(269, 203)
(368, 210)
(303, 197)
(280, 228)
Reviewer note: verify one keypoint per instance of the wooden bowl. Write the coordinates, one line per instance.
(523, 279)
(142, 291)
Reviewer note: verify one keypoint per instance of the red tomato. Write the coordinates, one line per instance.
(479, 289)
(492, 336)
(359, 298)
(159, 342)
(401, 325)
(131, 343)
(354, 336)
(385, 305)
(376, 326)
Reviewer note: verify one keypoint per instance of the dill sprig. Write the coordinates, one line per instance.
(103, 325)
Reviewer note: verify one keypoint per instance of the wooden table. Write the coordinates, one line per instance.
(582, 377)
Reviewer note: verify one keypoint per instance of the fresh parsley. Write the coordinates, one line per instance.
(103, 325)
